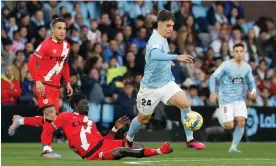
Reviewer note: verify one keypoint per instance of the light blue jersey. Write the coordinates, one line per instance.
(231, 77)
(158, 62)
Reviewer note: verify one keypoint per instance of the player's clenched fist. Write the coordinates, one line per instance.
(40, 88)
(121, 122)
(213, 97)
(185, 58)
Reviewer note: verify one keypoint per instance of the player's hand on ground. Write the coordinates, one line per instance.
(213, 97)
(121, 122)
(40, 88)
(69, 90)
(185, 58)
(172, 64)
(252, 95)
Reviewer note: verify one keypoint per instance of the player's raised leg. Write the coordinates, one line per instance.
(180, 100)
(118, 153)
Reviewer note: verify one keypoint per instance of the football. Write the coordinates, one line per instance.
(193, 121)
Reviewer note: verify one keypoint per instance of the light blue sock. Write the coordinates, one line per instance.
(189, 133)
(134, 127)
(237, 136)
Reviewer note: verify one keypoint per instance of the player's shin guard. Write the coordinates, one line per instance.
(237, 136)
(189, 133)
(36, 121)
(46, 136)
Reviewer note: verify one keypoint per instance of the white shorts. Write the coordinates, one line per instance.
(227, 112)
(148, 99)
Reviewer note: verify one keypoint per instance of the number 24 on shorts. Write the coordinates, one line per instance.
(146, 102)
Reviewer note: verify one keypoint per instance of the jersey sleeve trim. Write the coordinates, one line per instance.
(37, 55)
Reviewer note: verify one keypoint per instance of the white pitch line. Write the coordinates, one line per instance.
(190, 160)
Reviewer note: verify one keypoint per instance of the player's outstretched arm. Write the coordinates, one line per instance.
(32, 69)
(118, 125)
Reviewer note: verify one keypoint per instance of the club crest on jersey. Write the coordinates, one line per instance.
(237, 80)
(45, 101)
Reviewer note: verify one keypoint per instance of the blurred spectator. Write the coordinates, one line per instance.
(215, 31)
(7, 53)
(104, 25)
(126, 102)
(130, 62)
(40, 36)
(263, 71)
(117, 26)
(94, 35)
(50, 9)
(17, 44)
(12, 27)
(193, 97)
(232, 17)
(254, 48)
(78, 21)
(36, 21)
(273, 85)
(224, 51)
(263, 100)
(20, 9)
(182, 15)
(20, 68)
(139, 8)
(138, 24)
(216, 44)
(229, 5)
(127, 35)
(216, 13)
(91, 87)
(181, 38)
(121, 45)
(112, 50)
(76, 66)
(27, 88)
(23, 34)
(141, 41)
(10, 87)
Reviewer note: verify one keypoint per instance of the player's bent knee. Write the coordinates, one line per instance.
(228, 125)
(144, 119)
(184, 104)
(241, 124)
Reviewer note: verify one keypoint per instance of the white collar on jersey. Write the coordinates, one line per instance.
(56, 40)
(158, 34)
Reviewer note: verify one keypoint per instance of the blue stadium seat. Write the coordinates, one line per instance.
(199, 11)
(94, 112)
(108, 113)
(196, 2)
(68, 5)
(67, 107)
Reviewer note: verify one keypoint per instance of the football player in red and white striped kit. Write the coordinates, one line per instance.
(52, 57)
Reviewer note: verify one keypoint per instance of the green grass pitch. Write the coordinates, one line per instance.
(214, 154)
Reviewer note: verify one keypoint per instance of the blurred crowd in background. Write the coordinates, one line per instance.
(108, 41)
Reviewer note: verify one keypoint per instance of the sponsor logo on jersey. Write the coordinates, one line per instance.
(237, 80)
(45, 101)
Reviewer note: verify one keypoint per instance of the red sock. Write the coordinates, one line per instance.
(47, 134)
(36, 121)
(150, 152)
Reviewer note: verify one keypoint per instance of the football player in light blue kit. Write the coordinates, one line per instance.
(231, 75)
(158, 82)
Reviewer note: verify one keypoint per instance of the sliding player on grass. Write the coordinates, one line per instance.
(85, 140)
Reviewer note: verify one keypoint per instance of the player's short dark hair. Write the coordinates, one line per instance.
(56, 20)
(165, 15)
(75, 98)
(238, 45)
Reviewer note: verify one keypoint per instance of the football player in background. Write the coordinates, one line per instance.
(231, 75)
(52, 56)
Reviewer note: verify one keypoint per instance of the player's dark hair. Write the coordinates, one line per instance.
(75, 98)
(165, 15)
(238, 45)
(56, 20)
